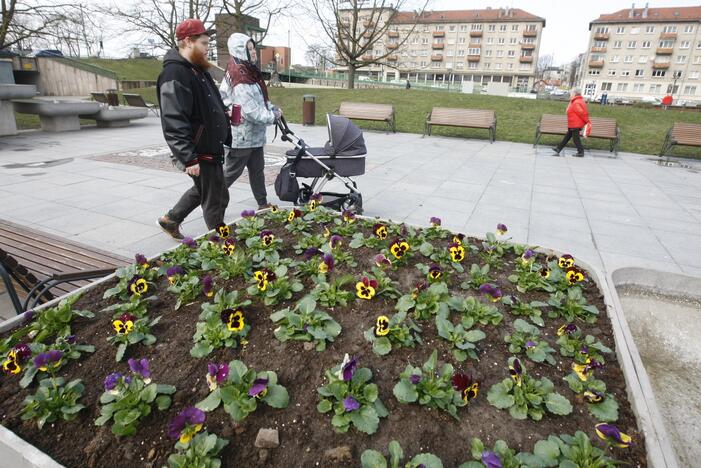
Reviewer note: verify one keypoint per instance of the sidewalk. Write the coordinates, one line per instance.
(611, 213)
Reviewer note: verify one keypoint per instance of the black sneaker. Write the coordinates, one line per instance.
(556, 151)
(170, 227)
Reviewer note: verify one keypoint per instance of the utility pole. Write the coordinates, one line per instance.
(289, 65)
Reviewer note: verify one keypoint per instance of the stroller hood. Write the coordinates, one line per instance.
(345, 139)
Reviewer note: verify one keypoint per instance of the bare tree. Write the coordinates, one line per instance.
(544, 62)
(316, 55)
(354, 27)
(24, 21)
(239, 9)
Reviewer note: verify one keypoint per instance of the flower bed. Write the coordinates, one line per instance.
(351, 337)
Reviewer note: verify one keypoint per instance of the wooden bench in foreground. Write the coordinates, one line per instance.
(686, 134)
(466, 118)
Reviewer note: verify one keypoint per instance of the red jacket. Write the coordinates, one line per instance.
(577, 114)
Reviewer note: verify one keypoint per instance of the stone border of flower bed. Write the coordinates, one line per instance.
(659, 451)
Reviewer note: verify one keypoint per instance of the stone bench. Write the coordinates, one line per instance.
(8, 91)
(110, 117)
(57, 116)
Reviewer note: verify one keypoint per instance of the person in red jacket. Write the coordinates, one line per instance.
(577, 118)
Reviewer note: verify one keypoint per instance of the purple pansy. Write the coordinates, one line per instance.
(435, 222)
(49, 357)
(350, 403)
(141, 367)
(188, 417)
(530, 344)
(208, 286)
(218, 373)
(190, 242)
(22, 352)
(348, 368)
(248, 213)
(111, 381)
(491, 459)
(335, 241)
(311, 253)
(141, 260)
(414, 379)
(174, 271)
(258, 387)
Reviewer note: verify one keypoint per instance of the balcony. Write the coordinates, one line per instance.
(668, 35)
(664, 51)
(438, 33)
(437, 45)
(660, 65)
(393, 34)
(526, 59)
(599, 50)
(475, 33)
(367, 35)
(530, 33)
(392, 58)
(601, 36)
(392, 46)
(596, 63)
(527, 46)
(473, 58)
(437, 58)
(366, 57)
(368, 24)
(474, 45)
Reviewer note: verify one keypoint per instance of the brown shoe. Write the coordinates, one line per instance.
(264, 207)
(170, 227)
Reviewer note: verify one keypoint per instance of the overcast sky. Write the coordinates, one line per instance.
(566, 31)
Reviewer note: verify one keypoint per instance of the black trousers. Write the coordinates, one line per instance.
(210, 190)
(574, 134)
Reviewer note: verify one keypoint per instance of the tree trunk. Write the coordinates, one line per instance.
(351, 76)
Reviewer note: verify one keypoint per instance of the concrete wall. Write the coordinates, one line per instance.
(58, 79)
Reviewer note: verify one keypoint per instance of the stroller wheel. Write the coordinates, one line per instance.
(353, 201)
(305, 194)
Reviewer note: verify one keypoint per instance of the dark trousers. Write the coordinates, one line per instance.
(209, 190)
(237, 160)
(574, 134)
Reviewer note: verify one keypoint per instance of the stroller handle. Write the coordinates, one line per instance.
(281, 123)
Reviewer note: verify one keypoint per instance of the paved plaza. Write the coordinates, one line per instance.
(610, 212)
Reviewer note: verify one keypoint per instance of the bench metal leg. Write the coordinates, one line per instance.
(537, 138)
(493, 133)
(11, 291)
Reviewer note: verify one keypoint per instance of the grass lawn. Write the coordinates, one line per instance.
(129, 69)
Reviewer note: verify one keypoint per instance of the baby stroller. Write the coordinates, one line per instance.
(343, 156)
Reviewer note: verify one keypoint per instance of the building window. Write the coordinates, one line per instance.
(669, 29)
(497, 66)
(615, 59)
(439, 27)
(655, 88)
(689, 28)
(698, 46)
(632, 44)
(438, 40)
(503, 28)
(685, 45)
(525, 66)
(513, 40)
(639, 72)
(689, 89)
(435, 64)
(622, 87)
(463, 27)
(488, 53)
(476, 27)
(474, 51)
(472, 65)
(423, 63)
(514, 27)
(511, 53)
(649, 29)
(617, 44)
(628, 59)
(452, 27)
(532, 27)
(492, 27)
(415, 40)
(424, 40)
(646, 44)
(642, 59)
(606, 86)
(658, 73)
(697, 60)
(694, 75)
(461, 40)
(449, 53)
(681, 59)
(639, 88)
(602, 30)
(460, 65)
(510, 66)
(666, 44)
(599, 44)
(461, 53)
(490, 40)
(487, 65)
(620, 30)
(594, 72)
(501, 41)
(612, 72)
(500, 53)
(625, 72)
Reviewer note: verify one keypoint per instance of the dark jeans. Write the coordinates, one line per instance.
(574, 134)
(210, 190)
(237, 160)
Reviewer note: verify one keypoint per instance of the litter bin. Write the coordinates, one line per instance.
(112, 97)
(308, 109)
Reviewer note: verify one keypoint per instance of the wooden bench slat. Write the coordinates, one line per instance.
(368, 111)
(466, 118)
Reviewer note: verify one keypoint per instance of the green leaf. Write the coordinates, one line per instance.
(548, 451)
(428, 460)
(149, 393)
(210, 403)
(557, 404)
(499, 397)
(277, 396)
(365, 419)
(163, 402)
(405, 303)
(606, 411)
(373, 459)
(126, 417)
(395, 452)
(382, 346)
(405, 392)
(324, 406)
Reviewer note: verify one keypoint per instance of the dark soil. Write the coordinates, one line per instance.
(304, 433)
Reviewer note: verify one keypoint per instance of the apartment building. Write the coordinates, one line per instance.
(645, 53)
(490, 45)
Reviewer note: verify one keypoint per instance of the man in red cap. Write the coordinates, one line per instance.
(195, 125)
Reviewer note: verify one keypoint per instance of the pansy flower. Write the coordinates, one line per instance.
(327, 265)
(501, 229)
(457, 252)
(566, 261)
(124, 324)
(186, 424)
(584, 371)
(142, 368)
(229, 245)
(414, 379)
(266, 237)
(458, 238)
(259, 388)
(263, 277)
(365, 288)
(567, 328)
(17, 356)
(545, 272)
(464, 384)
(612, 435)
(348, 216)
(314, 201)
(326, 231)
(217, 374)
(491, 460)
(382, 262)
(398, 248)
(141, 260)
(248, 213)
(528, 256)
(380, 231)
(530, 344)
(137, 285)
(208, 286)
(435, 272)
(574, 275)
(233, 319)
(420, 286)
(382, 326)
(492, 291)
(593, 396)
(435, 222)
(173, 272)
(350, 404)
(190, 242)
(214, 239)
(348, 367)
(294, 213)
(111, 382)
(48, 360)
(335, 241)
(312, 252)
(22, 352)
(516, 371)
(223, 230)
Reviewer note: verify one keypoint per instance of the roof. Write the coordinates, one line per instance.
(654, 15)
(468, 16)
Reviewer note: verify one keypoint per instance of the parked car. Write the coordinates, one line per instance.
(49, 53)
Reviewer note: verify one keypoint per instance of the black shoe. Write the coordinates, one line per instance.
(264, 207)
(578, 155)
(170, 227)
(556, 151)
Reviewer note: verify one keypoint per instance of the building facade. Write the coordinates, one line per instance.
(226, 25)
(490, 45)
(645, 54)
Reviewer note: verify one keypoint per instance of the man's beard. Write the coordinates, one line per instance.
(200, 59)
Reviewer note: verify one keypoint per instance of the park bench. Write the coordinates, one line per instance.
(37, 267)
(601, 127)
(99, 97)
(57, 116)
(137, 100)
(466, 118)
(687, 134)
(367, 111)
